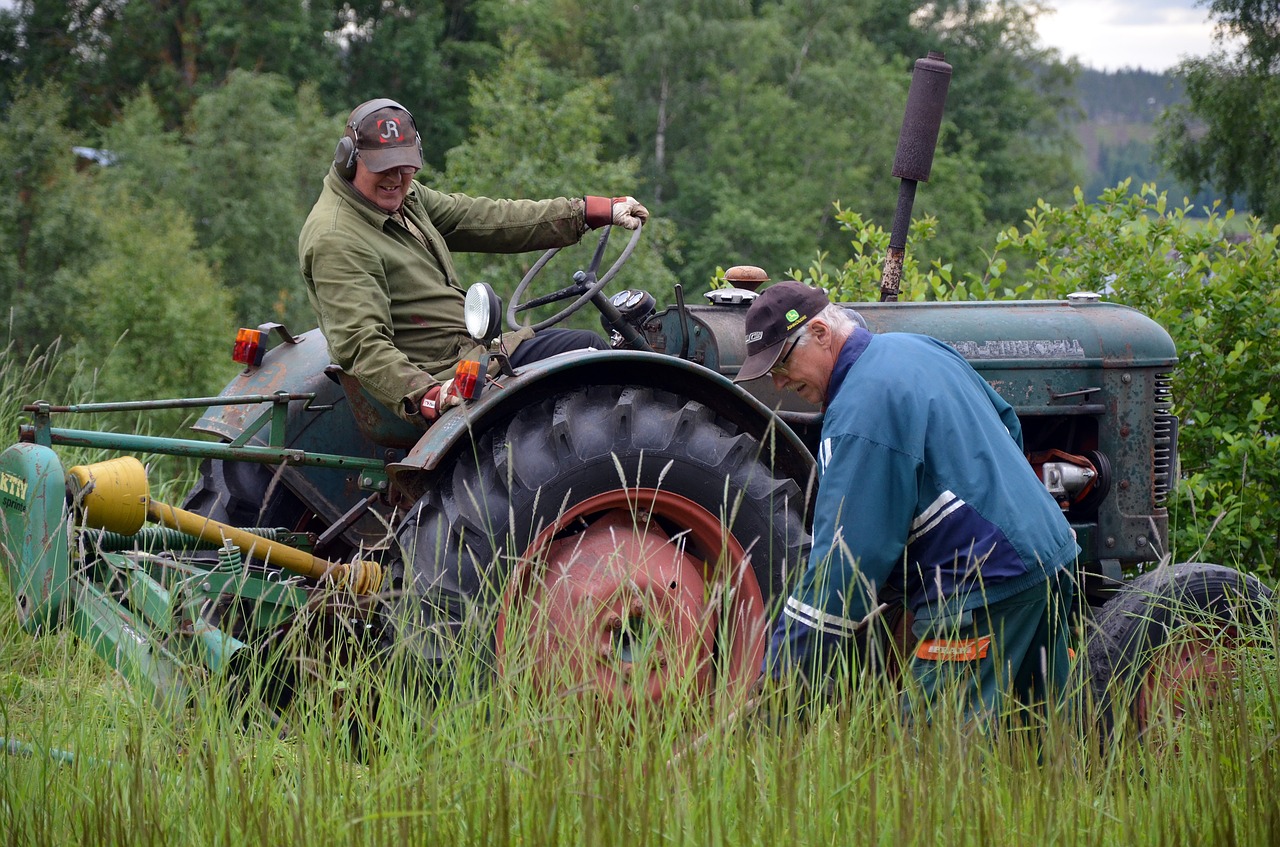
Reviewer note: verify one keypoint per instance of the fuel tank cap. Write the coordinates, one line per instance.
(731, 296)
(1083, 297)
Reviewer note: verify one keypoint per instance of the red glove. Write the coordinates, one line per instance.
(625, 212)
(438, 398)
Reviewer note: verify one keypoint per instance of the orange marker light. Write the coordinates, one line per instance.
(466, 379)
(249, 347)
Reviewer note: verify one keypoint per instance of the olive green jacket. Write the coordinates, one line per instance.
(389, 305)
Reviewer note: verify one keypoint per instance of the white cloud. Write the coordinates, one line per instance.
(1112, 34)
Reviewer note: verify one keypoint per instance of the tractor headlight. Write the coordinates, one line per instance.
(482, 311)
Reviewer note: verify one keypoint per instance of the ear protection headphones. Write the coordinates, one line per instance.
(344, 155)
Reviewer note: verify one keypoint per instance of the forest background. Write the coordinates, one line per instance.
(161, 155)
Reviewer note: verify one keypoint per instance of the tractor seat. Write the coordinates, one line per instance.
(375, 421)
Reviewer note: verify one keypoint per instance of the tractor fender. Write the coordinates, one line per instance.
(568, 371)
(329, 423)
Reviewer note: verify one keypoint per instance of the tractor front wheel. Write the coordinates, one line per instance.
(1168, 640)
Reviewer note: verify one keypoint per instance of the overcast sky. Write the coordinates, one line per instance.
(1113, 34)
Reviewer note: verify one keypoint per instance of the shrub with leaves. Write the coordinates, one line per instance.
(858, 279)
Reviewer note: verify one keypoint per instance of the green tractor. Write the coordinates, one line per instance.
(629, 517)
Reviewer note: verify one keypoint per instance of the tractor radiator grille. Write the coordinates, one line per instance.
(1166, 440)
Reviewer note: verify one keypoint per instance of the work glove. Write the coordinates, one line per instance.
(438, 399)
(628, 213)
(625, 212)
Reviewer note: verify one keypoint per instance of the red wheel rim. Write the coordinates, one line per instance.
(634, 596)
(1189, 670)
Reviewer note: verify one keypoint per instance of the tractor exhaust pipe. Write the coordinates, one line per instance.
(914, 159)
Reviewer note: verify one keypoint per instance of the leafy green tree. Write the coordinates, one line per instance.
(538, 135)
(1225, 135)
(160, 321)
(272, 146)
(148, 161)
(1010, 100)
(421, 54)
(54, 41)
(796, 126)
(750, 122)
(253, 142)
(46, 236)
(105, 51)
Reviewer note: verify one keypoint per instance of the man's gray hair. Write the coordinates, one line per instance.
(833, 315)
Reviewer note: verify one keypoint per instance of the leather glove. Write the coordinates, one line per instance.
(625, 212)
(628, 213)
(439, 398)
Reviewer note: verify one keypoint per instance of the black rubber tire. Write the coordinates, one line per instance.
(460, 540)
(1130, 628)
(242, 494)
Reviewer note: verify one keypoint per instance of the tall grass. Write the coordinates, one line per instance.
(492, 763)
(360, 757)
(49, 375)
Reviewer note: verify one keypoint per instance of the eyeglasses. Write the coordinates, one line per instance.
(780, 367)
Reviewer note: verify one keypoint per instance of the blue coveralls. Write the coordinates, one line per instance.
(925, 497)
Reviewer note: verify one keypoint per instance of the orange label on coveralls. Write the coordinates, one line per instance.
(953, 650)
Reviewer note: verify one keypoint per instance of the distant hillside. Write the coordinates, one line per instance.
(1126, 96)
(1116, 132)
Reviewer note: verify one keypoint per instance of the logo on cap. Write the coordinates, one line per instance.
(794, 319)
(390, 130)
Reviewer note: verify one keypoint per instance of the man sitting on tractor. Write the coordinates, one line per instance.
(925, 498)
(375, 253)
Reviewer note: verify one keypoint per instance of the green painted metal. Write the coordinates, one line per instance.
(130, 646)
(271, 601)
(1014, 334)
(43, 407)
(1033, 333)
(1001, 339)
(34, 533)
(153, 634)
(168, 613)
(162, 538)
(128, 443)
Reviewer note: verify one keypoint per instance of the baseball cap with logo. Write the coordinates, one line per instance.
(774, 315)
(386, 138)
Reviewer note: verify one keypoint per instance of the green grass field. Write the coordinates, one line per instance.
(90, 760)
(94, 762)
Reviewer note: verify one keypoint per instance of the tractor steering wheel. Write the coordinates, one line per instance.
(585, 283)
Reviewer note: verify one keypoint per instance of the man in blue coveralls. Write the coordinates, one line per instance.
(924, 498)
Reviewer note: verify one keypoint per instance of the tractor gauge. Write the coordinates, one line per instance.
(634, 305)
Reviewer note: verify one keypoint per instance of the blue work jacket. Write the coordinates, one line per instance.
(924, 496)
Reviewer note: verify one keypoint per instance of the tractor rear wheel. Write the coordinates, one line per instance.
(615, 539)
(244, 494)
(1169, 637)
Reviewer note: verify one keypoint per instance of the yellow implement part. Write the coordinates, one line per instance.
(116, 497)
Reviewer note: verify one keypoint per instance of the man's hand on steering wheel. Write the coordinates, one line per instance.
(600, 212)
(626, 212)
